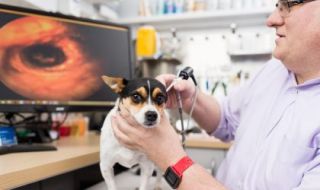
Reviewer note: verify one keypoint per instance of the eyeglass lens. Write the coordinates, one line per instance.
(283, 8)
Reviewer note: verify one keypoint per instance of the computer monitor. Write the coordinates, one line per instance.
(52, 62)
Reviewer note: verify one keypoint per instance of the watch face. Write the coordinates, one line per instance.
(172, 178)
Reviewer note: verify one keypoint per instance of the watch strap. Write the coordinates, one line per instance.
(183, 164)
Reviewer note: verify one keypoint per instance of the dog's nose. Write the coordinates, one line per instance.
(151, 116)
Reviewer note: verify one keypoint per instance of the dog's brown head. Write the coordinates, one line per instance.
(144, 98)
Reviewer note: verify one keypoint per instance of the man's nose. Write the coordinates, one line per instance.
(275, 19)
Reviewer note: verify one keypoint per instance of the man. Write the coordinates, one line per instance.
(273, 119)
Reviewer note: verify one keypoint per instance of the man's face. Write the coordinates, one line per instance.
(298, 36)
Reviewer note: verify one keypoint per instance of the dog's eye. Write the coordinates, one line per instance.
(160, 99)
(136, 98)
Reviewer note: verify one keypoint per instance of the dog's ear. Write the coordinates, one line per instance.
(117, 84)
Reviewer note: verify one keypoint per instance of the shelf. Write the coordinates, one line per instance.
(201, 19)
(249, 53)
(101, 1)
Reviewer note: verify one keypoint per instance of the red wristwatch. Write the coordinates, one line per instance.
(173, 174)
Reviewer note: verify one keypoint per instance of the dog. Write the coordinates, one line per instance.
(145, 100)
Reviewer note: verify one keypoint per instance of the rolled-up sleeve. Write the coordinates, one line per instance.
(230, 108)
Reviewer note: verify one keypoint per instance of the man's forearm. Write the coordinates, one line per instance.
(206, 112)
(196, 177)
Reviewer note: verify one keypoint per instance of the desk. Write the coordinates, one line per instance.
(19, 169)
(206, 142)
(73, 153)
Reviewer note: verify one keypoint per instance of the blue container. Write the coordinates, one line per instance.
(7, 136)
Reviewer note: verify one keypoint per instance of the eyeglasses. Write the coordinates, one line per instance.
(284, 6)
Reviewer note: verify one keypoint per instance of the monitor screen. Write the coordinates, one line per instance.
(52, 62)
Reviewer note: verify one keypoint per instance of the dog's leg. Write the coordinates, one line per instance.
(158, 179)
(108, 175)
(146, 173)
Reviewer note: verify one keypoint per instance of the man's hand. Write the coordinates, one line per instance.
(186, 88)
(161, 144)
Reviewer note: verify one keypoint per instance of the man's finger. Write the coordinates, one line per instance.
(166, 79)
(183, 85)
(126, 127)
(124, 111)
(125, 114)
(122, 137)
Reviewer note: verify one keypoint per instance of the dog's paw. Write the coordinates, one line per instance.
(157, 188)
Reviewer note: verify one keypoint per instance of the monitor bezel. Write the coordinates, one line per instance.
(29, 108)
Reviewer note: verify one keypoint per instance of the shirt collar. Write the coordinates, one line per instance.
(307, 84)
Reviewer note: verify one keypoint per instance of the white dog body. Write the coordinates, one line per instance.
(146, 105)
(113, 152)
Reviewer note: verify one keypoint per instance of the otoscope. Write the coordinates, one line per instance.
(183, 75)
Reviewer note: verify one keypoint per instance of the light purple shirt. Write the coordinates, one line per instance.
(275, 125)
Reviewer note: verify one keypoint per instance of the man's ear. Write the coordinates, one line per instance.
(117, 84)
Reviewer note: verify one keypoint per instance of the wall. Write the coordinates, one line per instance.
(48, 5)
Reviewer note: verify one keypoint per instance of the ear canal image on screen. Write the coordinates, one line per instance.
(46, 59)
(51, 62)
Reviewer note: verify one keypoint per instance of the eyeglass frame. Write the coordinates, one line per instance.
(287, 4)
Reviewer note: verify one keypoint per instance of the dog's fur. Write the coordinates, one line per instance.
(144, 99)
